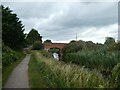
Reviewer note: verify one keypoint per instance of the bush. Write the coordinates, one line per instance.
(46, 54)
(37, 45)
(9, 56)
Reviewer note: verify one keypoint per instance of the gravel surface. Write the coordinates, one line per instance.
(19, 76)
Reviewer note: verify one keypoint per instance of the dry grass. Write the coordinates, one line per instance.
(60, 75)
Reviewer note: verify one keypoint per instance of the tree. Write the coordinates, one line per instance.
(32, 37)
(54, 50)
(12, 29)
(74, 46)
(89, 45)
(37, 45)
(48, 41)
(110, 43)
(118, 45)
(72, 41)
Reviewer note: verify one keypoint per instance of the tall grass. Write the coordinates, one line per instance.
(56, 74)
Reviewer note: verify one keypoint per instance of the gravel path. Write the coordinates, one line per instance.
(19, 76)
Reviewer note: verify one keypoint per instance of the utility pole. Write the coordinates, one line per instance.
(76, 36)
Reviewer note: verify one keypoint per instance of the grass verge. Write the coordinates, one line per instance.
(35, 80)
(46, 72)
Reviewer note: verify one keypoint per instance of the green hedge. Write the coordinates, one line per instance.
(94, 59)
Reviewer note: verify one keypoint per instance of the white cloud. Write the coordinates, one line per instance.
(98, 34)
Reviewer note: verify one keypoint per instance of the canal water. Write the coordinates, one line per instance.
(56, 56)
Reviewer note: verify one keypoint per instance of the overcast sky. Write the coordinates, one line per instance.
(61, 21)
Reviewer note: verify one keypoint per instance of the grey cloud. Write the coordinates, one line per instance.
(27, 10)
(61, 21)
(78, 14)
(95, 14)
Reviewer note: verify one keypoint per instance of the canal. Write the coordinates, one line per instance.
(56, 56)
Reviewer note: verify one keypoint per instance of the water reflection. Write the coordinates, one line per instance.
(56, 56)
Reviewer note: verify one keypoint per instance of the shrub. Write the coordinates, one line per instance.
(37, 45)
(9, 56)
(46, 54)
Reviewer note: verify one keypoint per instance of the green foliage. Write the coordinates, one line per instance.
(12, 29)
(104, 61)
(110, 44)
(72, 41)
(54, 50)
(46, 54)
(32, 37)
(118, 46)
(37, 45)
(48, 41)
(75, 46)
(79, 46)
(100, 56)
(53, 74)
(89, 45)
(9, 56)
(116, 75)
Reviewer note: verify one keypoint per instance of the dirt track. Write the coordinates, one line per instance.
(19, 76)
